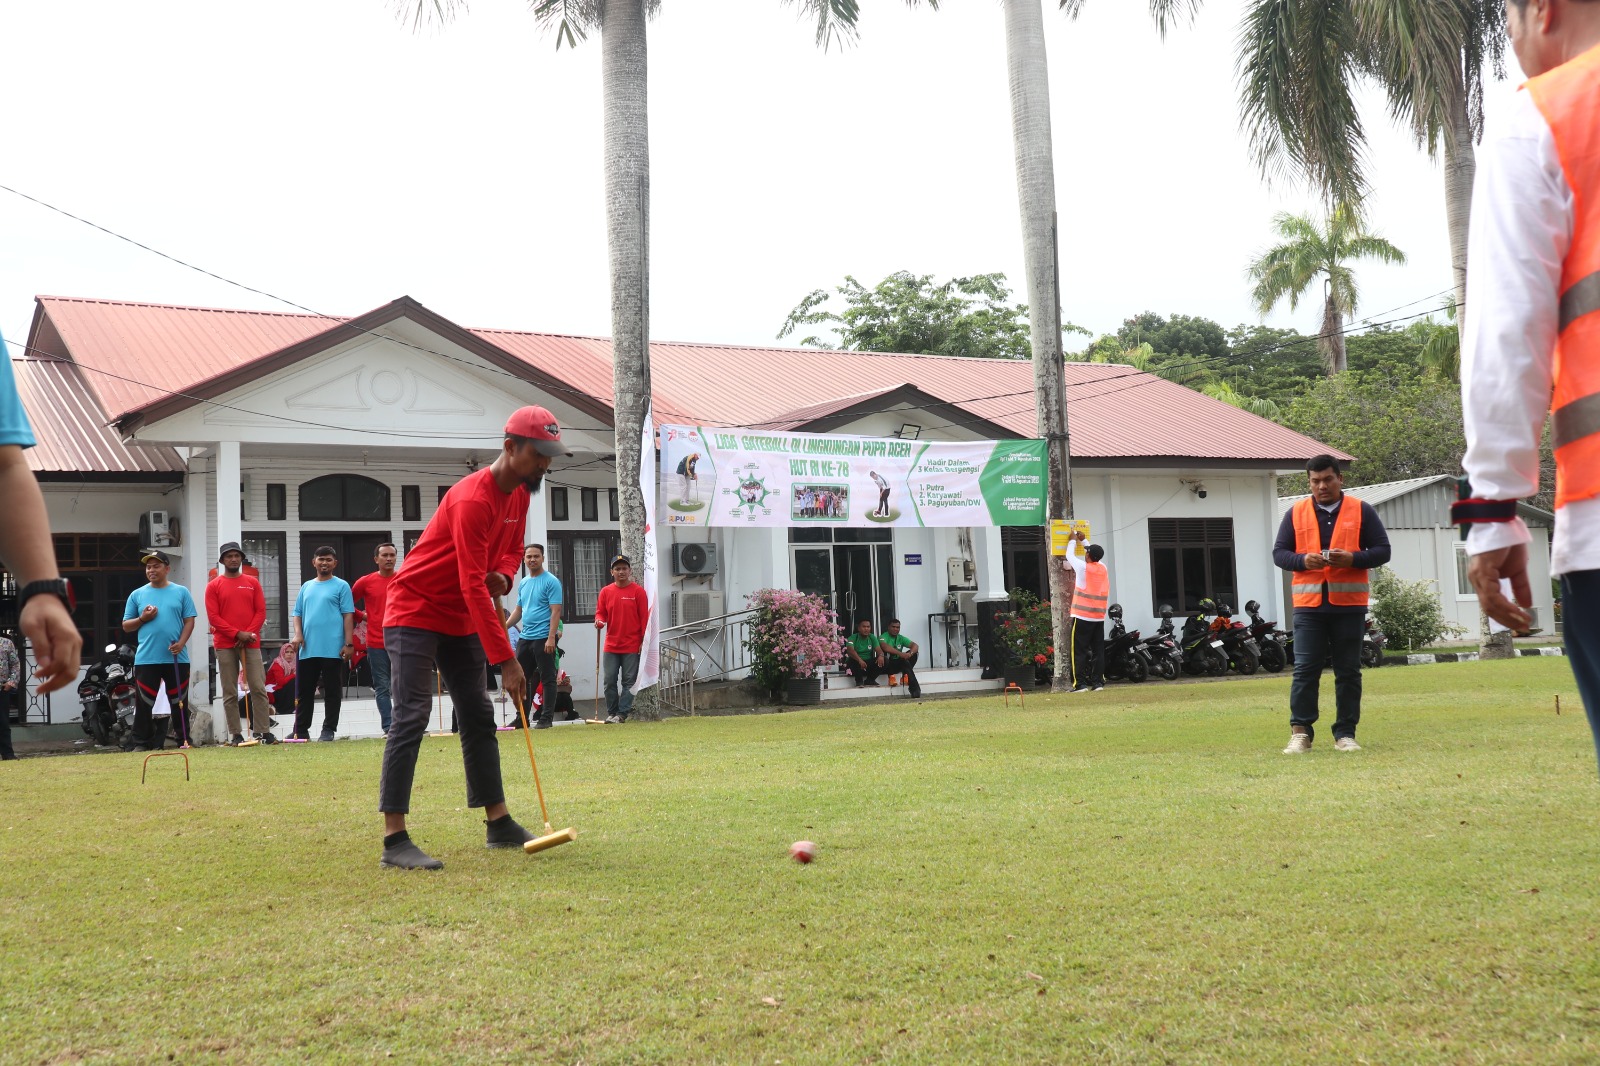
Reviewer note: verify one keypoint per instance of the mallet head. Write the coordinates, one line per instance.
(550, 840)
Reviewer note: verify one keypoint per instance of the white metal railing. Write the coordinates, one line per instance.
(702, 651)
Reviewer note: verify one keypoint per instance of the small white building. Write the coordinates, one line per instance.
(1426, 547)
(185, 427)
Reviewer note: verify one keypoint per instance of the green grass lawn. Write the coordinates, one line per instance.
(1136, 875)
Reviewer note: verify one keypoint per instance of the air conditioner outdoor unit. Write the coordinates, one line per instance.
(695, 559)
(691, 607)
(159, 529)
(967, 604)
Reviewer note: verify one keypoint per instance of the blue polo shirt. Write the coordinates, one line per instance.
(13, 419)
(535, 595)
(321, 607)
(173, 604)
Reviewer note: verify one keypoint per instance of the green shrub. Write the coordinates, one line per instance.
(1408, 612)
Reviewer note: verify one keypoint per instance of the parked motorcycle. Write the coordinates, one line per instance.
(1275, 645)
(1165, 657)
(107, 696)
(1244, 654)
(1126, 659)
(1202, 650)
(1372, 642)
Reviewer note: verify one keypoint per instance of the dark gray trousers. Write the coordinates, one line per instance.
(413, 654)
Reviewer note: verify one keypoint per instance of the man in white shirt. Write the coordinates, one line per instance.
(1533, 325)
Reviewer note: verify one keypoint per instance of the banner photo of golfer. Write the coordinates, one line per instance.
(746, 477)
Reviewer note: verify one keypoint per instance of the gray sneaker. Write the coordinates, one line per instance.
(615, 719)
(407, 856)
(1299, 744)
(325, 737)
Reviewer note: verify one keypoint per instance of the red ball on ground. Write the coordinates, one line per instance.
(803, 851)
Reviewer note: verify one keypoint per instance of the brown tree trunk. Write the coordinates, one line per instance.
(1331, 340)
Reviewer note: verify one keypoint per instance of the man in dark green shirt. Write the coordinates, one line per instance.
(900, 657)
(863, 656)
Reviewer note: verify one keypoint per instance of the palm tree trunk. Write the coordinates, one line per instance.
(1036, 194)
(627, 177)
(1331, 339)
(1460, 166)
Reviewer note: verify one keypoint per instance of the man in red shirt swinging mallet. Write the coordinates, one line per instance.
(441, 611)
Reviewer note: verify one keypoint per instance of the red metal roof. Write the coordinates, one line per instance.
(1114, 411)
(71, 429)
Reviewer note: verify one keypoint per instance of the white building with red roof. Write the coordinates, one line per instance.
(287, 431)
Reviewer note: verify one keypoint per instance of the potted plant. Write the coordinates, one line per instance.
(1026, 636)
(792, 637)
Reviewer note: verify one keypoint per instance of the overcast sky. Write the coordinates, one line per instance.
(323, 151)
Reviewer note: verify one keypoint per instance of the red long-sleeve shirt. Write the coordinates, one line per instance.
(371, 591)
(477, 530)
(234, 604)
(625, 612)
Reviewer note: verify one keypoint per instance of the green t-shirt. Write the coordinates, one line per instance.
(898, 641)
(865, 646)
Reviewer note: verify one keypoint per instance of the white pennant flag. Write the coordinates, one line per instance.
(650, 654)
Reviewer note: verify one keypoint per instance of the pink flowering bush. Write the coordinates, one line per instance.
(792, 636)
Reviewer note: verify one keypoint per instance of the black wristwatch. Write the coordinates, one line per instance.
(59, 587)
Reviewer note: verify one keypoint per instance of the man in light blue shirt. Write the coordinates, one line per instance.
(539, 613)
(323, 635)
(163, 615)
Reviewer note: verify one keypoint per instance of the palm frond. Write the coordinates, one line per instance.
(835, 20)
(571, 19)
(1297, 64)
(422, 13)
(1167, 12)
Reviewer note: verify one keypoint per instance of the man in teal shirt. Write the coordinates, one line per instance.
(163, 615)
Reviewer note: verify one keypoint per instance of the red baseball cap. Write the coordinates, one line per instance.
(539, 426)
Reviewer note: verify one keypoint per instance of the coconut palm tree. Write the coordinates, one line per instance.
(1027, 71)
(623, 66)
(1299, 62)
(1310, 251)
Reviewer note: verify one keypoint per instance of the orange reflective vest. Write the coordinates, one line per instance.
(1569, 99)
(1092, 594)
(1347, 585)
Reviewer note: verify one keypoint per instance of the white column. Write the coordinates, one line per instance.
(537, 530)
(229, 521)
(991, 564)
(193, 567)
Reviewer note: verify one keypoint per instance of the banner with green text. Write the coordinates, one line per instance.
(747, 477)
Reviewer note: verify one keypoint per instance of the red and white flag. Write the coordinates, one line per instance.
(650, 654)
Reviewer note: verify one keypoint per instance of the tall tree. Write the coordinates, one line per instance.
(908, 312)
(1308, 252)
(1027, 70)
(1299, 62)
(623, 66)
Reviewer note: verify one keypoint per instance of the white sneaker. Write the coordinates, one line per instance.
(1346, 744)
(1299, 744)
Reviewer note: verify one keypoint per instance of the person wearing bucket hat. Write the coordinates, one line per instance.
(237, 608)
(441, 614)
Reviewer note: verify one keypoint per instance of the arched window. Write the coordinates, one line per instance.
(344, 498)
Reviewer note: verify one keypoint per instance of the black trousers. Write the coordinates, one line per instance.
(894, 664)
(1318, 634)
(413, 654)
(1088, 654)
(539, 667)
(863, 674)
(149, 732)
(6, 698)
(330, 672)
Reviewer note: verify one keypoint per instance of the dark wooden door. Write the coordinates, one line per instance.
(355, 553)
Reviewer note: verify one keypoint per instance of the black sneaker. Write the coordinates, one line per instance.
(235, 740)
(407, 856)
(325, 737)
(542, 723)
(266, 738)
(506, 834)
